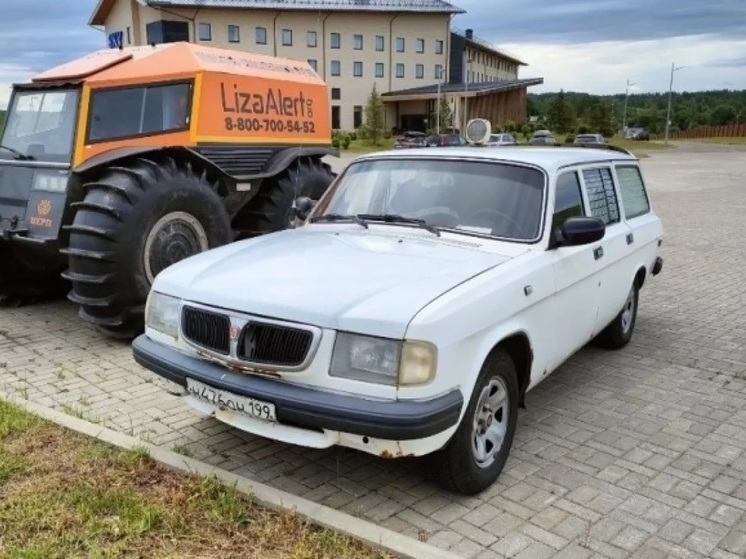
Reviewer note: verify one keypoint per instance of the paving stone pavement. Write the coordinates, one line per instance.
(636, 453)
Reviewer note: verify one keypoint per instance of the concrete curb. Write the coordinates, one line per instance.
(321, 515)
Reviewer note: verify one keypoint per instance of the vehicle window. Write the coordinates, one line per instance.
(136, 111)
(485, 198)
(42, 124)
(602, 199)
(634, 197)
(568, 200)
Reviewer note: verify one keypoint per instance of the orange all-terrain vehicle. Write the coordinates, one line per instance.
(118, 164)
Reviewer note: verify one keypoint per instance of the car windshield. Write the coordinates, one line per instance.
(491, 198)
(41, 124)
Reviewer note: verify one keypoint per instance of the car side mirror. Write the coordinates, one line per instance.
(581, 231)
(303, 207)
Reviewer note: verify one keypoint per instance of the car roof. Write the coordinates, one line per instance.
(550, 158)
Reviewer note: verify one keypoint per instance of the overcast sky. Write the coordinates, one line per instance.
(580, 45)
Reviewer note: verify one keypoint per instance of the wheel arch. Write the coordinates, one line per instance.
(284, 158)
(517, 344)
(641, 275)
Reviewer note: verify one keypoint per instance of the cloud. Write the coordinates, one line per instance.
(38, 34)
(596, 45)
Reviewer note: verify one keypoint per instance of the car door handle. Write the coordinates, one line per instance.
(598, 253)
(630, 238)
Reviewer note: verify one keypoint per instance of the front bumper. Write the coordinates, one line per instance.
(311, 408)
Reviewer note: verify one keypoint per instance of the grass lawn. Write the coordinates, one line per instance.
(364, 146)
(66, 495)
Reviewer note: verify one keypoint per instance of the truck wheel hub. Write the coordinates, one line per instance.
(174, 237)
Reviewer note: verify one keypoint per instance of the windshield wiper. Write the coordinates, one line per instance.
(396, 218)
(339, 217)
(19, 155)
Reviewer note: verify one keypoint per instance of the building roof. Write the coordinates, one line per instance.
(102, 9)
(155, 63)
(473, 90)
(550, 158)
(484, 45)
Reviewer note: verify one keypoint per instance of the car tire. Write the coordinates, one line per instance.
(457, 466)
(619, 332)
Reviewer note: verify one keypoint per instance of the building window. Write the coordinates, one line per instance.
(336, 93)
(379, 43)
(419, 71)
(357, 42)
(336, 41)
(438, 72)
(261, 36)
(379, 69)
(311, 39)
(439, 46)
(400, 44)
(335, 118)
(420, 46)
(287, 37)
(234, 36)
(399, 70)
(335, 70)
(357, 116)
(205, 32)
(357, 69)
(313, 64)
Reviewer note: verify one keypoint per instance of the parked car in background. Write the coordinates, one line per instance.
(425, 294)
(445, 140)
(503, 139)
(641, 135)
(590, 139)
(411, 139)
(542, 138)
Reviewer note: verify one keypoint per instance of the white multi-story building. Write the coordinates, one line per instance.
(404, 47)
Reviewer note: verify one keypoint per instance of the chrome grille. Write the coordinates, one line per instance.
(271, 344)
(208, 329)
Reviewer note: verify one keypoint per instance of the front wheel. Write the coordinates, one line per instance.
(476, 454)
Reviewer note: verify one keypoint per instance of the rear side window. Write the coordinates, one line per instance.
(601, 194)
(568, 201)
(634, 197)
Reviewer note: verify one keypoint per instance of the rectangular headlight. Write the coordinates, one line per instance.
(366, 358)
(162, 313)
(383, 361)
(50, 181)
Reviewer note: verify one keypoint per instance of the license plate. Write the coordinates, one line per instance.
(230, 401)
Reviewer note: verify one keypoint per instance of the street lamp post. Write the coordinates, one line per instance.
(437, 108)
(668, 111)
(624, 118)
(466, 95)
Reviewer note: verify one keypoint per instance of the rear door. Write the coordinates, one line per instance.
(612, 253)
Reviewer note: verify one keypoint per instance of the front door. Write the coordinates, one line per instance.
(577, 275)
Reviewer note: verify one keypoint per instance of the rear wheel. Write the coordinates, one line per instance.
(619, 332)
(135, 221)
(272, 208)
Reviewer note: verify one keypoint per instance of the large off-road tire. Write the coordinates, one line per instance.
(272, 208)
(490, 420)
(137, 219)
(22, 283)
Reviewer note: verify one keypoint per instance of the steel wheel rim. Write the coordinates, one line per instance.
(628, 311)
(182, 236)
(490, 422)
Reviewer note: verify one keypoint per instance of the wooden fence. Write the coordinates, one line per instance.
(727, 131)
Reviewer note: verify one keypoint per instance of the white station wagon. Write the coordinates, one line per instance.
(421, 298)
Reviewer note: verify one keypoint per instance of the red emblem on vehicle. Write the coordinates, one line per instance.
(234, 332)
(44, 207)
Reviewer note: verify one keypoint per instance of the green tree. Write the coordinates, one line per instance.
(560, 114)
(723, 114)
(599, 118)
(374, 126)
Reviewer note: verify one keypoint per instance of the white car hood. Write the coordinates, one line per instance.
(333, 278)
